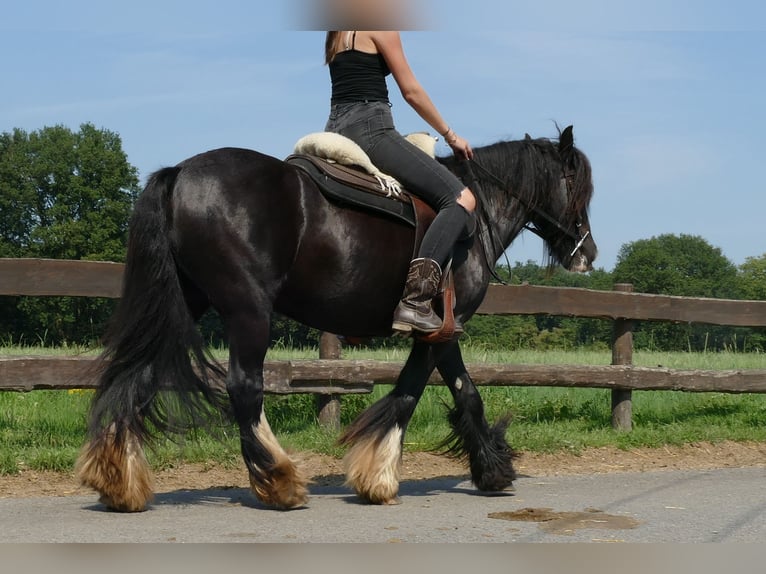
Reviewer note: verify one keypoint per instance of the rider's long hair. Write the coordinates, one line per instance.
(330, 46)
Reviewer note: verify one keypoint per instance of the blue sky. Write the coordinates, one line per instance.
(666, 98)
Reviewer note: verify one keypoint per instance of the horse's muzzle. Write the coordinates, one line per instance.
(580, 264)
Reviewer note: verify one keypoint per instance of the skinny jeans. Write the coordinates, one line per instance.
(370, 125)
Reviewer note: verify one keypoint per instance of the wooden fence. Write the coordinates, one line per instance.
(330, 376)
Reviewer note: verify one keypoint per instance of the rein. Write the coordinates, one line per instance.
(473, 183)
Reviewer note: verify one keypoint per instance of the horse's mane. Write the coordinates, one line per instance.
(530, 169)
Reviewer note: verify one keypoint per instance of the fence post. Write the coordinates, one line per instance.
(328, 406)
(622, 354)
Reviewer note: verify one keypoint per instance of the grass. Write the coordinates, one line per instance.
(43, 430)
(553, 419)
(477, 354)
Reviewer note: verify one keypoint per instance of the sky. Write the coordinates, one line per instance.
(666, 98)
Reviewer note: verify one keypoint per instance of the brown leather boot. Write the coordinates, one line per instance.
(415, 311)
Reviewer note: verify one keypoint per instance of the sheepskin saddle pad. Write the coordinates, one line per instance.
(344, 173)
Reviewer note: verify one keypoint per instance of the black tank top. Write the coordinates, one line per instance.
(358, 76)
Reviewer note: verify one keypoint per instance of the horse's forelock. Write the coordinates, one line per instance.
(582, 190)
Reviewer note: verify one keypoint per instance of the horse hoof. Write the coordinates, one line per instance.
(126, 506)
(285, 489)
(380, 499)
(497, 490)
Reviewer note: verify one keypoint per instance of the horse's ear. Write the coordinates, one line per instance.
(527, 137)
(566, 141)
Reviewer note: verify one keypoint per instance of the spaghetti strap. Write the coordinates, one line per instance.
(352, 36)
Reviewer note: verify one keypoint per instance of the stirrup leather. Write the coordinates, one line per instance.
(450, 328)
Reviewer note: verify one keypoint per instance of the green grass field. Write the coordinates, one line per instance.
(44, 430)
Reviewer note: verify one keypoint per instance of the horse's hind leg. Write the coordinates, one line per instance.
(274, 478)
(373, 461)
(113, 464)
(113, 461)
(489, 456)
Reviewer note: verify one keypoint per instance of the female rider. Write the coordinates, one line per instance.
(359, 62)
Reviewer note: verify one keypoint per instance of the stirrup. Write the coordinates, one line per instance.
(402, 328)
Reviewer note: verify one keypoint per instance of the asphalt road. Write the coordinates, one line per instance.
(726, 505)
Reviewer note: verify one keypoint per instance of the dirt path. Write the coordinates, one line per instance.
(325, 470)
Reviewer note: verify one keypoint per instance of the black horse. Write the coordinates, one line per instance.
(249, 234)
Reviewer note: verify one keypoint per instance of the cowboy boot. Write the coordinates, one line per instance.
(415, 310)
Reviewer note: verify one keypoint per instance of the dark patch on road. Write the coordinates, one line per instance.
(567, 523)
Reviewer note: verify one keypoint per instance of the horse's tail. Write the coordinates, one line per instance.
(152, 343)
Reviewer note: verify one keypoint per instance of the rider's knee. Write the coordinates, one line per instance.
(467, 200)
(469, 224)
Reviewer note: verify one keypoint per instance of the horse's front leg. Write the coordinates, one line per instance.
(375, 438)
(489, 456)
(274, 478)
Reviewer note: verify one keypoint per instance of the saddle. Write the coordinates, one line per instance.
(350, 186)
(346, 174)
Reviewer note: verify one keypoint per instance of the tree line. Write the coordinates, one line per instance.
(68, 194)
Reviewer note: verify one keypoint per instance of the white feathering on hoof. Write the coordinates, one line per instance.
(282, 485)
(116, 469)
(336, 148)
(373, 467)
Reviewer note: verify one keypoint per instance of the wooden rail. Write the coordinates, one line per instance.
(576, 302)
(47, 277)
(58, 277)
(330, 377)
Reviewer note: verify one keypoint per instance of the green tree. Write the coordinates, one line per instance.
(63, 195)
(752, 285)
(752, 278)
(683, 265)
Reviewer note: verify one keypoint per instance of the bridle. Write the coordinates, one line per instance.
(566, 184)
